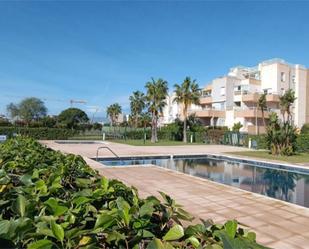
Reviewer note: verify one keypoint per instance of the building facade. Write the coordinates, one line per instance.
(233, 98)
(171, 111)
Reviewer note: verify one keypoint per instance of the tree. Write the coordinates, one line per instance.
(281, 135)
(145, 120)
(12, 110)
(72, 117)
(137, 105)
(156, 94)
(113, 112)
(28, 109)
(237, 126)
(262, 105)
(187, 93)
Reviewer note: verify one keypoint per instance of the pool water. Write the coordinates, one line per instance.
(289, 186)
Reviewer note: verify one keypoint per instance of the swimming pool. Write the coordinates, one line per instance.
(273, 180)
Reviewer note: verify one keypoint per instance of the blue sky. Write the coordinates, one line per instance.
(102, 51)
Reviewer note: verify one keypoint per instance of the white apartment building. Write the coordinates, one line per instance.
(171, 110)
(233, 98)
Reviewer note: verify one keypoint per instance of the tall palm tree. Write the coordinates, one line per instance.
(286, 101)
(145, 120)
(156, 94)
(187, 93)
(137, 105)
(262, 105)
(113, 112)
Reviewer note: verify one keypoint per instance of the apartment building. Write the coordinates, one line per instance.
(171, 111)
(233, 98)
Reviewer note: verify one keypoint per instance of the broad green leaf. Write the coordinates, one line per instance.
(81, 200)
(20, 205)
(4, 226)
(42, 228)
(84, 241)
(214, 246)
(56, 183)
(26, 180)
(231, 228)
(41, 244)
(41, 186)
(104, 183)
(83, 182)
(146, 209)
(115, 236)
(155, 244)
(193, 241)
(55, 207)
(251, 236)
(105, 220)
(4, 178)
(147, 234)
(57, 230)
(175, 233)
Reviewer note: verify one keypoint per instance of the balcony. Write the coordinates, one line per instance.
(252, 129)
(209, 113)
(272, 98)
(250, 113)
(250, 97)
(204, 100)
(254, 97)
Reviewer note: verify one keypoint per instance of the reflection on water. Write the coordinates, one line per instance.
(279, 184)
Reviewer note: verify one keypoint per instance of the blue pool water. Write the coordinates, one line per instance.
(287, 185)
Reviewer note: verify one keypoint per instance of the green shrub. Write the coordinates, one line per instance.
(303, 143)
(260, 140)
(52, 200)
(305, 129)
(37, 133)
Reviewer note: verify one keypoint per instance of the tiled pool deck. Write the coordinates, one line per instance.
(277, 224)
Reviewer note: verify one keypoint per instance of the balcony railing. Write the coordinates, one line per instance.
(206, 100)
(251, 97)
(208, 113)
(251, 112)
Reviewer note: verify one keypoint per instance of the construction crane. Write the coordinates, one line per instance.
(72, 101)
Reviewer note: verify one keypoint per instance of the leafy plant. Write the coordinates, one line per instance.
(282, 135)
(237, 126)
(52, 200)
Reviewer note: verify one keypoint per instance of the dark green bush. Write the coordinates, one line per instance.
(261, 141)
(51, 200)
(305, 129)
(303, 143)
(37, 133)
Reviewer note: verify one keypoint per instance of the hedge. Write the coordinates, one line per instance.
(38, 133)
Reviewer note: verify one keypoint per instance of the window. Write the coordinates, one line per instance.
(282, 77)
(222, 91)
(293, 79)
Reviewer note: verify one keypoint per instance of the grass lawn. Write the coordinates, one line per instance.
(148, 143)
(298, 158)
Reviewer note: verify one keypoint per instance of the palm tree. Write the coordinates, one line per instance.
(187, 93)
(262, 104)
(286, 101)
(145, 120)
(137, 104)
(113, 112)
(156, 94)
